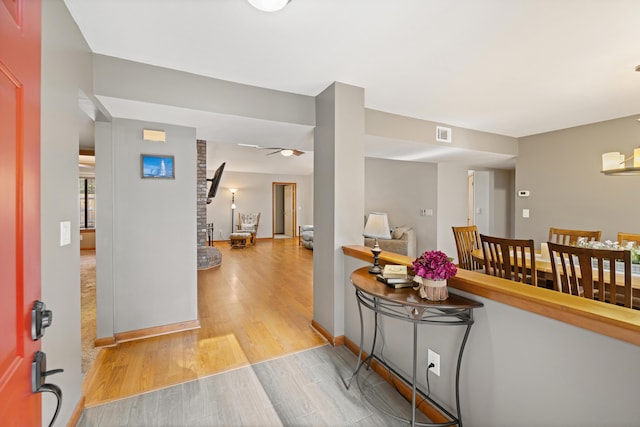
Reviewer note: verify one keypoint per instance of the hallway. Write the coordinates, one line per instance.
(257, 306)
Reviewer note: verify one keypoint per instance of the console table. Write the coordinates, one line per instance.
(407, 305)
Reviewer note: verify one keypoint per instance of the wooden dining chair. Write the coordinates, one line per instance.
(513, 259)
(591, 273)
(564, 236)
(624, 238)
(467, 239)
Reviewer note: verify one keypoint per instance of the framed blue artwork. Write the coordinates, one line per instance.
(157, 167)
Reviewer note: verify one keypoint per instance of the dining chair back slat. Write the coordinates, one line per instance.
(564, 236)
(512, 259)
(467, 239)
(591, 273)
(624, 238)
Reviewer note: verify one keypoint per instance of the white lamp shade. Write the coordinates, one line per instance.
(377, 226)
(612, 160)
(269, 5)
(286, 152)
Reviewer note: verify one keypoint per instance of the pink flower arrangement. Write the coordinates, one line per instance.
(434, 265)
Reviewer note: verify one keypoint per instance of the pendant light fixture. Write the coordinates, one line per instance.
(617, 164)
(269, 5)
(614, 163)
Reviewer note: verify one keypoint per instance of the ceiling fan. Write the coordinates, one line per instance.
(283, 151)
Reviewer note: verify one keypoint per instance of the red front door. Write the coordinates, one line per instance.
(19, 207)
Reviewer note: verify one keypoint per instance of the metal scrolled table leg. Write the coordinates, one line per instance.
(360, 361)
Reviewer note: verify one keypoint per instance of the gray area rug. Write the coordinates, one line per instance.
(302, 389)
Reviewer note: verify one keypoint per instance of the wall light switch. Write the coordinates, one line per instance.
(65, 233)
(525, 213)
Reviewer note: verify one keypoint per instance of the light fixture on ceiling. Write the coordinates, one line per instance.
(284, 151)
(615, 163)
(269, 5)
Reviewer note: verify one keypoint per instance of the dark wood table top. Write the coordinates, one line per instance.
(368, 283)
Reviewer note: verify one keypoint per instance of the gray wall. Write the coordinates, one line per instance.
(494, 195)
(449, 187)
(153, 238)
(452, 203)
(105, 204)
(519, 368)
(503, 202)
(483, 212)
(402, 189)
(562, 171)
(132, 80)
(255, 195)
(393, 126)
(66, 69)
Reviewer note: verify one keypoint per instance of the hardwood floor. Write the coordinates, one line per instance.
(301, 389)
(256, 306)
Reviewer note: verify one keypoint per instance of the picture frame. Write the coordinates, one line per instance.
(154, 166)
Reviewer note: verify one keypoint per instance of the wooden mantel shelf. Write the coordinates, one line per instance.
(606, 319)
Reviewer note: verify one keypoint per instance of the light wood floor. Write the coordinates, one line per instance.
(301, 389)
(258, 305)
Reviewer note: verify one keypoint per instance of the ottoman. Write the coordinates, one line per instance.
(239, 240)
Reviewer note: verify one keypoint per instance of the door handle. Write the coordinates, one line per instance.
(41, 318)
(39, 376)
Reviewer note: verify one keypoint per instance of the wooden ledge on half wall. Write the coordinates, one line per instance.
(607, 319)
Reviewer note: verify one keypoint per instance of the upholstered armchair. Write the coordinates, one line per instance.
(248, 223)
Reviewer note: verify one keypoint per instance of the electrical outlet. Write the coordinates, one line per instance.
(433, 357)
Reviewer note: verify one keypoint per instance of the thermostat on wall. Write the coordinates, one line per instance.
(523, 193)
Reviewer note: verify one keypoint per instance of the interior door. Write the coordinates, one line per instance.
(19, 207)
(289, 202)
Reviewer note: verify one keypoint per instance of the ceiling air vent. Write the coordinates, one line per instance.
(443, 134)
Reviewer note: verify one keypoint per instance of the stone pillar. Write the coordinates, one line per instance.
(208, 256)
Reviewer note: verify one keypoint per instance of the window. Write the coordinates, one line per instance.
(87, 196)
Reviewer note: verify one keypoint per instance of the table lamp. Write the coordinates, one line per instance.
(377, 226)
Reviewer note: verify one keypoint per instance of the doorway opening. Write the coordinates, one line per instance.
(284, 210)
(470, 199)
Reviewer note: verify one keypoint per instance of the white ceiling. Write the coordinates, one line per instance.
(514, 68)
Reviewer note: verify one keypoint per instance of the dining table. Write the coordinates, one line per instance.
(545, 271)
